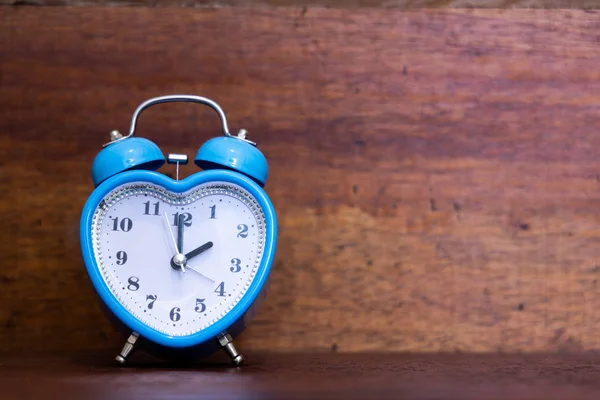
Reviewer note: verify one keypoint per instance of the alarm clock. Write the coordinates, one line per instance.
(180, 266)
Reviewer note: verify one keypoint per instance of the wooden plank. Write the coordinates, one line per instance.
(435, 173)
(388, 4)
(314, 376)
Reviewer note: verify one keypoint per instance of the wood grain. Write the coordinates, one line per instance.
(435, 173)
(314, 376)
(388, 4)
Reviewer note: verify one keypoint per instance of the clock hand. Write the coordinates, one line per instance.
(199, 250)
(171, 232)
(180, 226)
(200, 273)
(178, 256)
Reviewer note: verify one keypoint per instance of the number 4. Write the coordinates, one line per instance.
(221, 289)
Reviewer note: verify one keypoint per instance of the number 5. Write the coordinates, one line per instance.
(200, 306)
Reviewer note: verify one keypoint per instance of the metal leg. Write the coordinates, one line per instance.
(127, 348)
(226, 342)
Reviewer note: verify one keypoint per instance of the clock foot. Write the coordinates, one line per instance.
(226, 342)
(127, 348)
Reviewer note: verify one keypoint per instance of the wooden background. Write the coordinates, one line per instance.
(436, 172)
(394, 4)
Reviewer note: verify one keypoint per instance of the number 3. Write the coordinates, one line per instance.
(235, 265)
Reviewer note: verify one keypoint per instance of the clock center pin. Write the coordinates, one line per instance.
(178, 261)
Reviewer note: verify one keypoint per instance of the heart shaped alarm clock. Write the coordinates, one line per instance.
(179, 265)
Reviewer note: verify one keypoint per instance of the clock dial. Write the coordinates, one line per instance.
(136, 232)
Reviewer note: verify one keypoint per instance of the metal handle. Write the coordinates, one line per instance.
(178, 98)
(172, 99)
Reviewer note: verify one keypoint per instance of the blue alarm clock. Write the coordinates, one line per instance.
(179, 265)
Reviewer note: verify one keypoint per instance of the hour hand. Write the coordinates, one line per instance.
(199, 250)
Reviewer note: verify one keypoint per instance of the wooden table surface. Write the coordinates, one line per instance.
(317, 375)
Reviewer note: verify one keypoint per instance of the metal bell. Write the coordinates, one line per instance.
(231, 153)
(126, 154)
(228, 151)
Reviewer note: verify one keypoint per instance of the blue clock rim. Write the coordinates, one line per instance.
(238, 311)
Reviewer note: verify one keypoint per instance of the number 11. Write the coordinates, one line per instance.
(147, 210)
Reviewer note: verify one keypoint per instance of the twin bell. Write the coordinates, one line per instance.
(230, 152)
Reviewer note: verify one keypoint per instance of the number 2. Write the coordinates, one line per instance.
(243, 231)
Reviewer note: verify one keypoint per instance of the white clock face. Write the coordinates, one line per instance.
(136, 233)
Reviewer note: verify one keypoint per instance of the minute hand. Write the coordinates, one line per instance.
(180, 226)
(199, 250)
